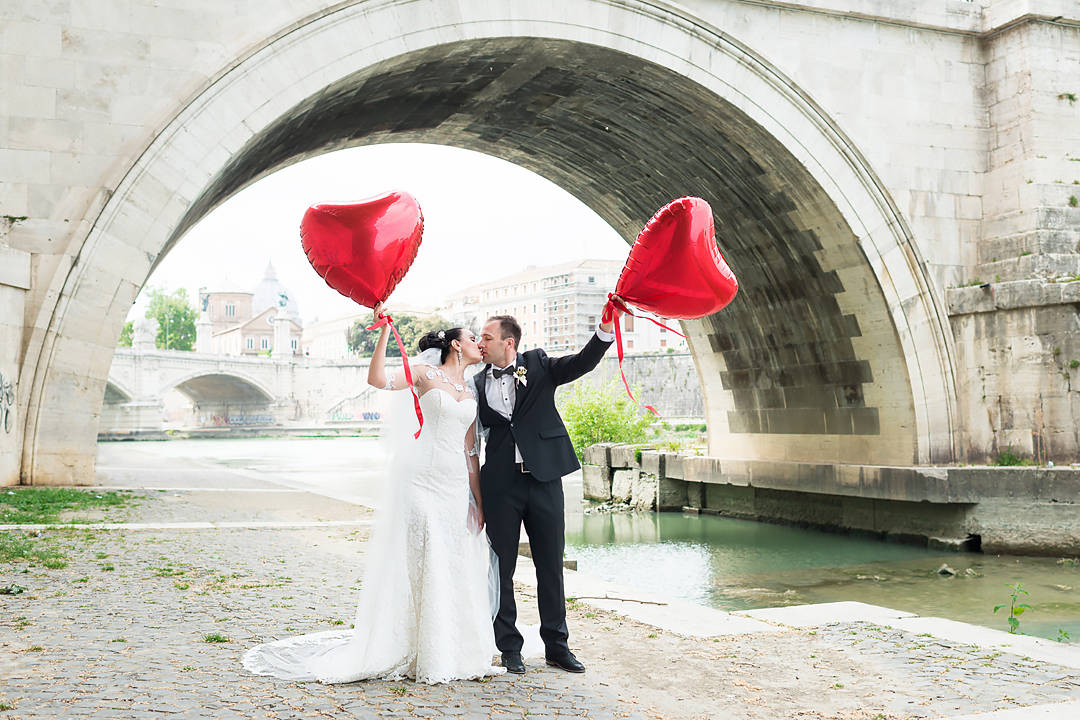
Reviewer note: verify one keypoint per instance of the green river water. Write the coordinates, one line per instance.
(739, 565)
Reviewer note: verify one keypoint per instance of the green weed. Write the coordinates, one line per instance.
(1016, 609)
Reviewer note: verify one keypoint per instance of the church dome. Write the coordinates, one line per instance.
(269, 293)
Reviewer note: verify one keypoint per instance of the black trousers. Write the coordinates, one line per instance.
(511, 499)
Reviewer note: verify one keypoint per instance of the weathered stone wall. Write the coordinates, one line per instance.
(1017, 510)
(669, 382)
(1019, 345)
(14, 282)
(1016, 329)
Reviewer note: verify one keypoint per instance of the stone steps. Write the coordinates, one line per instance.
(1045, 266)
(1031, 242)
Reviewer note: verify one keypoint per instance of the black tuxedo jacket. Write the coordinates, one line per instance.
(535, 427)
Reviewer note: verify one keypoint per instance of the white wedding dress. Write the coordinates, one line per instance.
(424, 609)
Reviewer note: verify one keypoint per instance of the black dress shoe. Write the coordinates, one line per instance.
(513, 663)
(567, 662)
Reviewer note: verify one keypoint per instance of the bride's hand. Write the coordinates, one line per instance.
(378, 312)
(476, 519)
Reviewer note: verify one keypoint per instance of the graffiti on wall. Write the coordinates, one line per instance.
(349, 417)
(7, 404)
(262, 419)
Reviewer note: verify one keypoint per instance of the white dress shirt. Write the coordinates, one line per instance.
(501, 392)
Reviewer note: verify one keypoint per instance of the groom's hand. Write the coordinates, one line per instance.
(616, 302)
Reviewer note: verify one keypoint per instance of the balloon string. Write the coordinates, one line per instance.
(609, 315)
(625, 310)
(387, 320)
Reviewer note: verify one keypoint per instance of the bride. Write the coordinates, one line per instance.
(429, 588)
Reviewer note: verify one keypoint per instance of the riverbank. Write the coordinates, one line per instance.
(158, 600)
(1007, 510)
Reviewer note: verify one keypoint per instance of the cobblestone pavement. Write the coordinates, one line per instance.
(152, 624)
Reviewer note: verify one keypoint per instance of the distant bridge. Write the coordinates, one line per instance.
(234, 391)
(230, 391)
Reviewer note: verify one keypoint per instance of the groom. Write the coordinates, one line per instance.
(527, 452)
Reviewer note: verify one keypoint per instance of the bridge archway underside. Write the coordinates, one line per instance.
(215, 389)
(807, 354)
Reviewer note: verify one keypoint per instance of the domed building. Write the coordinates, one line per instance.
(270, 292)
(242, 323)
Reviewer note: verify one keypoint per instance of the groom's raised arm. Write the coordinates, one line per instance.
(570, 367)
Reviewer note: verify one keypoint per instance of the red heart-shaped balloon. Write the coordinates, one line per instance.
(675, 269)
(363, 249)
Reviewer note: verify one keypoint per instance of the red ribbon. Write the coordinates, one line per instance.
(609, 315)
(387, 320)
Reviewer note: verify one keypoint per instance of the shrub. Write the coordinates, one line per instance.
(1008, 458)
(595, 414)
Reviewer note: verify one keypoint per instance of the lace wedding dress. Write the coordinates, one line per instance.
(424, 610)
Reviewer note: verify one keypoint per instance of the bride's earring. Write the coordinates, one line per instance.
(459, 357)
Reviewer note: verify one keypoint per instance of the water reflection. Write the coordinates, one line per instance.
(737, 565)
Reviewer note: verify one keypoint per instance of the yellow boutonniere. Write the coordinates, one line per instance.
(519, 374)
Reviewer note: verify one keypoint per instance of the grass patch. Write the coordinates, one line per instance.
(43, 505)
(215, 638)
(15, 547)
(168, 572)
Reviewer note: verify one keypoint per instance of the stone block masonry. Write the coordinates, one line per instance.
(863, 159)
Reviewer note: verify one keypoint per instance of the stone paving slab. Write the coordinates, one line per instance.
(132, 642)
(805, 616)
(1040, 649)
(1057, 711)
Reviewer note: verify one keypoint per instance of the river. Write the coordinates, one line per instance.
(721, 562)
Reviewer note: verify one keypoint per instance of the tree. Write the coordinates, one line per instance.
(411, 328)
(126, 334)
(176, 319)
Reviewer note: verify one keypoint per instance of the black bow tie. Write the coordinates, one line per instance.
(509, 369)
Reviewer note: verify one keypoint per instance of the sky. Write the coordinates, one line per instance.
(483, 218)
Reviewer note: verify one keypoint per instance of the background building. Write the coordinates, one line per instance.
(558, 307)
(329, 339)
(242, 323)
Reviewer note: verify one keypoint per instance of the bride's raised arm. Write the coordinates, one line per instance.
(377, 375)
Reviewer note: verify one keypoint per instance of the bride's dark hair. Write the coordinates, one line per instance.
(432, 340)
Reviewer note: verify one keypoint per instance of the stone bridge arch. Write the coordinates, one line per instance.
(220, 386)
(225, 397)
(116, 393)
(836, 350)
